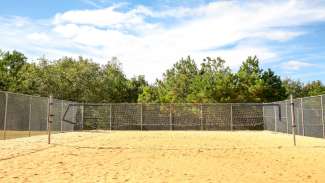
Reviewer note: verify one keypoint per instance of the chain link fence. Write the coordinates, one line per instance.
(25, 115)
(309, 117)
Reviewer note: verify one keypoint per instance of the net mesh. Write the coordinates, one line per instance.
(126, 116)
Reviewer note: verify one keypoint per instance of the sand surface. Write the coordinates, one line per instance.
(191, 156)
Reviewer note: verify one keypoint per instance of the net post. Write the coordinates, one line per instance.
(170, 117)
(141, 113)
(49, 118)
(5, 117)
(110, 117)
(322, 109)
(201, 116)
(302, 117)
(293, 125)
(231, 118)
(29, 116)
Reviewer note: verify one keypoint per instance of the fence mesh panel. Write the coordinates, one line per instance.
(312, 117)
(247, 116)
(216, 116)
(17, 116)
(126, 116)
(156, 117)
(309, 117)
(38, 122)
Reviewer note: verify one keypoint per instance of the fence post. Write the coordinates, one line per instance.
(302, 117)
(5, 117)
(30, 116)
(201, 116)
(82, 115)
(293, 125)
(322, 108)
(231, 118)
(50, 118)
(287, 120)
(275, 116)
(170, 117)
(110, 117)
(61, 120)
(141, 111)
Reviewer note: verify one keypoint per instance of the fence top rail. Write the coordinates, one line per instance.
(21, 94)
(132, 103)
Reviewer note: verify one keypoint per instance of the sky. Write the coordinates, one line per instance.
(148, 37)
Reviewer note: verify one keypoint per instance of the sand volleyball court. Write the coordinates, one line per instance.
(163, 156)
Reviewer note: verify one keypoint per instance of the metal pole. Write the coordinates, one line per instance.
(30, 116)
(82, 116)
(110, 117)
(287, 120)
(5, 117)
(170, 117)
(141, 113)
(275, 123)
(50, 118)
(322, 108)
(302, 117)
(48, 114)
(61, 120)
(231, 118)
(201, 116)
(293, 125)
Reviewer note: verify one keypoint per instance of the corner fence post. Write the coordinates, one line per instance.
(30, 116)
(49, 118)
(302, 116)
(293, 125)
(141, 112)
(231, 118)
(322, 109)
(5, 117)
(170, 117)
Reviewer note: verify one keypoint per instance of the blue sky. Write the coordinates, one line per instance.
(149, 36)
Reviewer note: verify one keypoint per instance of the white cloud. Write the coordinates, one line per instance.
(295, 65)
(40, 37)
(148, 41)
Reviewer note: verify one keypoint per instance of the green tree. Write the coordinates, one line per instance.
(214, 83)
(149, 95)
(136, 86)
(10, 65)
(176, 82)
(115, 87)
(314, 88)
(273, 87)
(294, 87)
(70, 79)
(249, 84)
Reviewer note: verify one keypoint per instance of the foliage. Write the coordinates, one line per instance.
(86, 81)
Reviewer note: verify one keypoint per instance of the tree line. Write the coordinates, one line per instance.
(212, 81)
